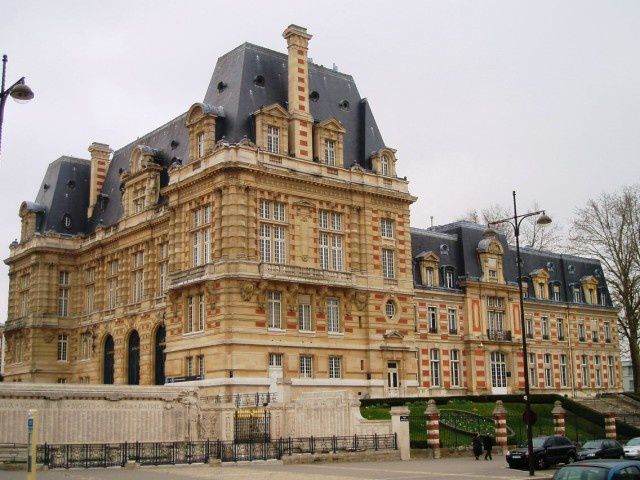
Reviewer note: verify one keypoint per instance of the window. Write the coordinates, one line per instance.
(432, 315)
(195, 313)
(201, 367)
(62, 347)
(528, 327)
(496, 315)
(448, 278)
(304, 313)
(384, 166)
(585, 370)
(455, 368)
(548, 371)
(598, 371)
(330, 241)
(275, 309)
(493, 274)
(201, 236)
(560, 327)
(273, 139)
(452, 317)
(24, 296)
(612, 371)
(163, 267)
(525, 289)
(333, 315)
(386, 228)
(86, 345)
(62, 380)
(556, 293)
(607, 332)
(390, 309)
(434, 357)
(533, 370)
(18, 345)
(429, 278)
(275, 359)
(563, 370)
(112, 284)
(542, 294)
(272, 236)
(139, 201)
(329, 152)
(388, 270)
(137, 277)
(335, 367)
(190, 367)
(544, 325)
(577, 294)
(581, 334)
(595, 337)
(602, 297)
(63, 294)
(90, 290)
(200, 144)
(306, 367)
(498, 370)
(592, 296)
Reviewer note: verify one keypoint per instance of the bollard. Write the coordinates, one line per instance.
(610, 425)
(400, 426)
(559, 416)
(500, 421)
(433, 427)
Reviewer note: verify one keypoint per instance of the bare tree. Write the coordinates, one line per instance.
(541, 237)
(608, 229)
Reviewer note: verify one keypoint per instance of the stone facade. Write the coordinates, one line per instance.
(277, 259)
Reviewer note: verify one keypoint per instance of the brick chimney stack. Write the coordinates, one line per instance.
(300, 126)
(100, 154)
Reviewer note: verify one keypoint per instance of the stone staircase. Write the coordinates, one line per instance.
(626, 408)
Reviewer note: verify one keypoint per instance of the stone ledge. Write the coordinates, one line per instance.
(366, 456)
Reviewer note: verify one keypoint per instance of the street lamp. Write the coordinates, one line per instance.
(515, 222)
(19, 91)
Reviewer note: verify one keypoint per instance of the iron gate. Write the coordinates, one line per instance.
(252, 426)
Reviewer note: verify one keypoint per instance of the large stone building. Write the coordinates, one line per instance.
(262, 238)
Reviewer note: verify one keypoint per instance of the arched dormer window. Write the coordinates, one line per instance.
(490, 253)
(201, 122)
(428, 268)
(141, 184)
(540, 280)
(384, 165)
(328, 142)
(383, 162)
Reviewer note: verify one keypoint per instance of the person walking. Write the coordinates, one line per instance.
(487, 443)
(476, 443)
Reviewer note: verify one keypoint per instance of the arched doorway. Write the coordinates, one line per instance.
(107, 363)
(161, 335)
(133, 359)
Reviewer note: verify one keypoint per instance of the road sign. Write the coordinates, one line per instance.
(404, 418)
(529, 417)
(30, 424)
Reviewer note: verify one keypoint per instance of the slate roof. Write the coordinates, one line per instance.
(238, 101)
(460, 240)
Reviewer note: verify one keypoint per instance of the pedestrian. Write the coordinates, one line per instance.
(476, 442)
(487, 442)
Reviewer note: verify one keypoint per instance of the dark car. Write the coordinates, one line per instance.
(602, 448)
(547, 451)
(600, 470)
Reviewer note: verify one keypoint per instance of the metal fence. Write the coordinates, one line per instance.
(172, 453)
(246, 399)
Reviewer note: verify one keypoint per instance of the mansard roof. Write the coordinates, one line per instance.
(456, 244)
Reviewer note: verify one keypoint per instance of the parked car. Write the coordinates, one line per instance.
(600, 470)
(601, 448)
(632, 448)
(547, 451)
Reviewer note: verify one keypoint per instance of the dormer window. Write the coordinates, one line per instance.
(592, 296)
(448, 278)
(556, 293)
(200, 144)
(542, 291)
(273, 139)
(577, 296)
(525, 289)
(138, 200)
(329, 152)
(384, 166)
(429, 277)
(493, 274)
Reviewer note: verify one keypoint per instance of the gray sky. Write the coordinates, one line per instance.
(479, 97)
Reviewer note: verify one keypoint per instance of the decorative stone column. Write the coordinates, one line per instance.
(500, 421)
(610, 425)
(559, 415)
(400, 427)
(432, 415)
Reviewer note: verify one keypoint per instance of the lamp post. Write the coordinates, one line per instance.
(19, 91)
(515, 222)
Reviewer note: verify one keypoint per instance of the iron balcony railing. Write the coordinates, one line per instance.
(499, 335)
(246, 399)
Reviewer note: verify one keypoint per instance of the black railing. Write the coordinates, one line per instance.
(453, 331)
(581, 339)
(499, 335)
(561, 338)
(529, 335)
(433, 330)
(246, 399)
(172, 453)
(545, 337)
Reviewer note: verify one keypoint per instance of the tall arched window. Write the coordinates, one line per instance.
(108, 360)
(384, 166)
(133, 364)
(160, 338)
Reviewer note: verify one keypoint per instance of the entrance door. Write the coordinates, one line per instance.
(107, 361)
(133, 365)
(275, 371)
(161, 335)
(393, 382)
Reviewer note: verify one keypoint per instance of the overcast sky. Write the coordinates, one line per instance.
(478, 97)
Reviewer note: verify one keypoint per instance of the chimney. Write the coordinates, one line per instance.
(99, 161)
(300, 126)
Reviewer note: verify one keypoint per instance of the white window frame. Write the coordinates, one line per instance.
(611, 368)
(201, 366)
(390, 309)
(304, 316)
(388, 263)
(63, 347)
(598, 371)
(498, 362)
(454, 362)
(452, 320)
(560, 328)
(432, 319)
(335, 367)
(548, 370)
(330, 241)
(276, 360)
(385, 165)
(333, 315)
(544, 327)
(273, 139)
(386, 228)
(434, 362)
(563, 370)
(448, 278)
(274, 310)
(584, 367)
(329, 152)
(533, 369)
(305, 366)
(63, 293)
(112, 284)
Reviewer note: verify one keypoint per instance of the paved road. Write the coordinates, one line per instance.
(463, 468)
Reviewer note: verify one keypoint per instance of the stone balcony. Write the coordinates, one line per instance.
(192, 276)
(306, 274)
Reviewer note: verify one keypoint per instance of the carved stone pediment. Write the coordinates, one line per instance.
(393, 335)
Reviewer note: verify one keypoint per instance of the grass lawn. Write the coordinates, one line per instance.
(578, 428)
